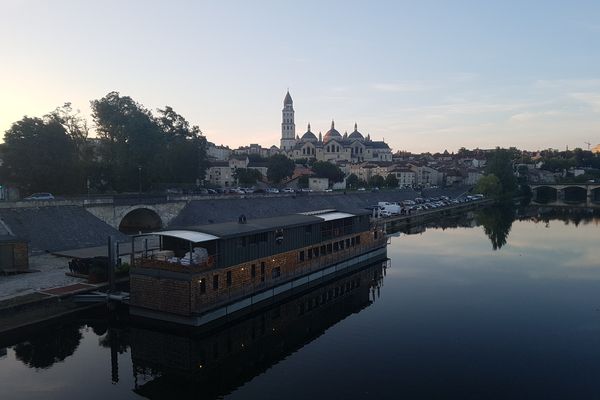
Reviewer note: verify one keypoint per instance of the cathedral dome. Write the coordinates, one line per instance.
(309, 136)
(331, 134)
(356, 135)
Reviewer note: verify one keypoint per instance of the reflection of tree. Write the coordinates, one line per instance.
(51, 346)
(496, 222)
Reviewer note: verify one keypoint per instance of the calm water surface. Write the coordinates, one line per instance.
(506, 309)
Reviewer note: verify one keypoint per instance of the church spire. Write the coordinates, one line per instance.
(332, 124)
(355, 127)
(309, 127)
(320, 137)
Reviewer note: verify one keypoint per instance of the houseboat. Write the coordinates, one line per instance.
(205, 273)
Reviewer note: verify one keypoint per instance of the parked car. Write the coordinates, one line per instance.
(361, 189)
(40, 196)
(287, 190)
(272, 190)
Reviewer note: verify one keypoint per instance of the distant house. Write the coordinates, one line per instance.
(318, 184)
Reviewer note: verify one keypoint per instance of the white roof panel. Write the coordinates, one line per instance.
(333, 215)
(192, 236)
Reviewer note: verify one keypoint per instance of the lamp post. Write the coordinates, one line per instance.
(140, 179)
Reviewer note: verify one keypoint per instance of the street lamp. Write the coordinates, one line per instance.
(140, 179)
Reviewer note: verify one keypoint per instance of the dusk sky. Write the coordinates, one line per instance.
(424, 75)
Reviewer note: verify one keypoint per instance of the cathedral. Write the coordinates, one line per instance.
(353, 147)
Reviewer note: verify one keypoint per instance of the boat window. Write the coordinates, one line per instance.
(276, 272)
(279, 236)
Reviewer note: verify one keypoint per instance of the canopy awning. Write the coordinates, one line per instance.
(334, 215)
(190, 236)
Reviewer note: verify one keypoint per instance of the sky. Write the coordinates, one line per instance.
(422, 75)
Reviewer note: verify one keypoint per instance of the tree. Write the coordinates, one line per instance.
(391, 181)
(247, 176)
(352, 181)
(40, 155)
(376, 181)
(303, 182)
(489, 185)
(279, 168)
(500, 164)
(134, 142)
(324, 169)
(185, 148)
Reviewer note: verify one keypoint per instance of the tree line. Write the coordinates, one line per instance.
(135, 149)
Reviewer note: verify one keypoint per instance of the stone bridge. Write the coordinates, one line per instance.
(127, 214)
(567, 194)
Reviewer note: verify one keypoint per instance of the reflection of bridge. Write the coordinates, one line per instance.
(567, 194)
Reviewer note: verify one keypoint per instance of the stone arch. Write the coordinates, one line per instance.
(574, 194)
(545, 194)
(140, 219)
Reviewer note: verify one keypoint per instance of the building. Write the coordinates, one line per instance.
(288, 127)
(405, 176)
(222, 173)
(220, 153)
(318, 184)
(333, 146)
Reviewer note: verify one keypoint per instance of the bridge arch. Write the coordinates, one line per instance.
(140, 219)
(545, 194)
(574, 194)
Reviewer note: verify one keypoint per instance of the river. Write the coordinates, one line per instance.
(502, 303)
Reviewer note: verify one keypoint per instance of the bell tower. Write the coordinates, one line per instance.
(288, 127)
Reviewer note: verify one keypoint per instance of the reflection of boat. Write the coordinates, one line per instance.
(205, 273)
(169, 364)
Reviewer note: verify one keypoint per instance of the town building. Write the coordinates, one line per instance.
(222, 173)
(333, 146)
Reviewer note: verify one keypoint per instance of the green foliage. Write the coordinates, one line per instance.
(391, 181)
(489, 185)
(185, 148)
(40, 155)
(324, 169)
(303, 182)
(138, 148)
(376, 181)
(133, 142)
(247, 176)
(279, 168)
(352, 181)
(500, 164)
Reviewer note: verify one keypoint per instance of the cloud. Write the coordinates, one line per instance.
(406, 86)
(592, 99)
(531, 116)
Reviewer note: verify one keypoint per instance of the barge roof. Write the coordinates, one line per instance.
(203, 233)
(231, 229)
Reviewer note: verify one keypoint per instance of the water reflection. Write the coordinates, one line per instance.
(48, 347)
(176, 364)
(497, 221)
